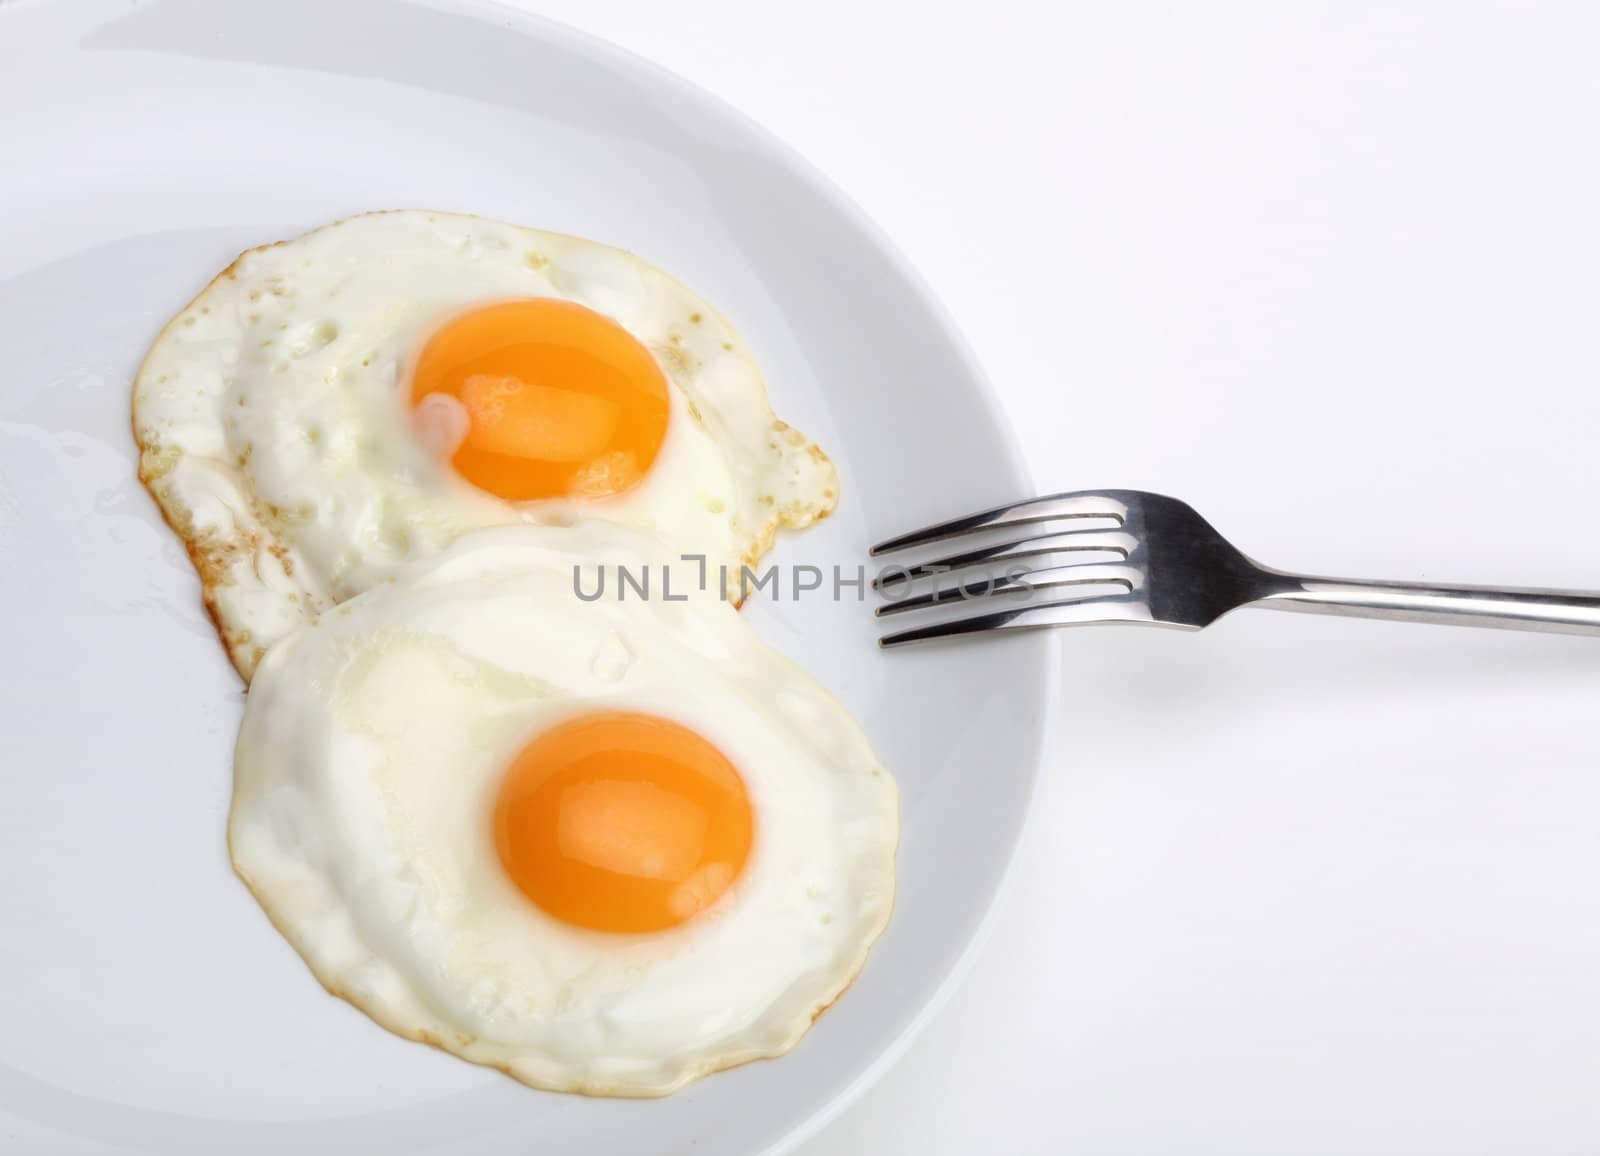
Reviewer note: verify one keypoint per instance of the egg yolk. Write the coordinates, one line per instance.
(541, 398)
(622, 822)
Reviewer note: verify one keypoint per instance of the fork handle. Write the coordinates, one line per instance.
(1507, 608)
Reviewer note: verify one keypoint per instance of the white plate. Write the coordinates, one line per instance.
(147, 1004)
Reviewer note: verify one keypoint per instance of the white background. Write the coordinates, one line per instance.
(1332, 273)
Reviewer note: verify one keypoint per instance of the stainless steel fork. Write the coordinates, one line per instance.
(1153, 560)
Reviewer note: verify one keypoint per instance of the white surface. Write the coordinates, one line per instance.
(1296, 884)
(1329, 271)
(146, 1003)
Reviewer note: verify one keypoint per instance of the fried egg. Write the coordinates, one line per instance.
(335, 406)
(607, 848)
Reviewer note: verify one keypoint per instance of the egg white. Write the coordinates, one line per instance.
(372, 748)
(274, 430)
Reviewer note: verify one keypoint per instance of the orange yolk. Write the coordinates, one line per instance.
(622, 822)
(557, 400)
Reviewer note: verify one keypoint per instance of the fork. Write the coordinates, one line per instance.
(1156, 562)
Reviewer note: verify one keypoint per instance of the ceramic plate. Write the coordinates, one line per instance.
(147, 1004)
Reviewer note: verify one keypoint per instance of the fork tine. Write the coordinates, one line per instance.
(1082, 574)
(1065, 612)
(951, 594)
(1083, 504)
(1115, 541)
